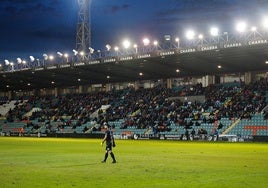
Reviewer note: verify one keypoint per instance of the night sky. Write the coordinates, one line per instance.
(34, 27)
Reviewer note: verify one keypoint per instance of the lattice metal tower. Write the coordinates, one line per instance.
(83, 32)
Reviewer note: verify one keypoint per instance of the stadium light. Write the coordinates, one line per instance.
(167, 37)
(10, 63)
(51, 57)
(136, 48)
(82, 53)
(214, 31)
(190, 34)
(99, 52)
(200, 36)
(75, 52)
(126, 43)
(253, 28)
(116, 48)
(19, 60)
(60, 54)
(108, 47)
(38, 62)
(45, 56)
(155, 42)
(177, 39)
(146, 41)
(91, 50)
(66, 56)
(241, 27)
(7, 62)
(31, 58)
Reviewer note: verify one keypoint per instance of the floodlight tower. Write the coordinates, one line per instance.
(83, 32)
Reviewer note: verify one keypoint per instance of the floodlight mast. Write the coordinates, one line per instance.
(83, 33)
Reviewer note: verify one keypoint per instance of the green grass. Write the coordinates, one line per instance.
(50, 162)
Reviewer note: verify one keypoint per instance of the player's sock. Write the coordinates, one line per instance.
(112, 155)
(105, 157)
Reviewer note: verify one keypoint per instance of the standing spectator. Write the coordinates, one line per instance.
(193, 133)
(187, 134)
(21, 131)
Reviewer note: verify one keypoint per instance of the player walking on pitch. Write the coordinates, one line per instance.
(110, 143)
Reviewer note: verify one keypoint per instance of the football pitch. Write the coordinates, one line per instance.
(57, 162)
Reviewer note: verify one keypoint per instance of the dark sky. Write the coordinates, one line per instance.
(34, 27)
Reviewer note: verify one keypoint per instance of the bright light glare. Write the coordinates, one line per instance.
(190, 34)
(116, 48)
(126, 43)
(51, 57)
(214, 31)
(265, 22)
(200, 36)
(146, 41)
(241, 27)
(155, 43)
(82, 53)
(253, 28)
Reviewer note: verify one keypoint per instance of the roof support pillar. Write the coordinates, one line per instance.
(248, 77)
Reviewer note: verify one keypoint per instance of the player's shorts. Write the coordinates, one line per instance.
(109, 147)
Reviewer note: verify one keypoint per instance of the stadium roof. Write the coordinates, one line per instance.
(199, 63)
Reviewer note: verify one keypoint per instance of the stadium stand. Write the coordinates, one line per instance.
(228, 109)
